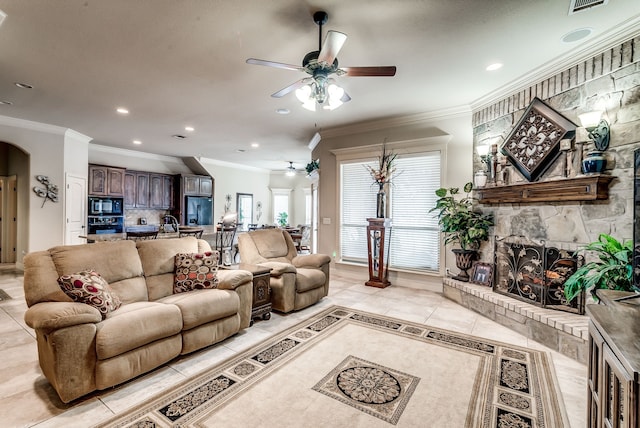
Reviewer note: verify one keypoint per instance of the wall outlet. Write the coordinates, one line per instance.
(326, 220)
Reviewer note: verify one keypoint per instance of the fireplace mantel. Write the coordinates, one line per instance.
(583, 188)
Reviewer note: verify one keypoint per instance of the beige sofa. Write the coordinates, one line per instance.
(79, 352)
(297, 281)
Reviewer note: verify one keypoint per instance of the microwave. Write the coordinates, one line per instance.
(105, 206)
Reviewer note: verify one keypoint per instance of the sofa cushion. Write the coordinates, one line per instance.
(135, 325)
(90, 288)
(308, 279)
(200, 307)
(158, 255)
(195, 271)
(115, 260)
(270, 243)
(158, 261)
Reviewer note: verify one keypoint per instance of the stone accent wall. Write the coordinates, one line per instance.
(609, 81)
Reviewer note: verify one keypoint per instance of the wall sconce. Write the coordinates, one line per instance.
(597, 127)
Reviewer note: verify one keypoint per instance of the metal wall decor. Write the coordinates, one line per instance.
(534, 143)
(534, 273)
(49, 192)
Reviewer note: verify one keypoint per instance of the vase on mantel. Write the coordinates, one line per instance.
(380, 202)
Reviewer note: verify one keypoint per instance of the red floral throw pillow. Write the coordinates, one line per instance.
(195, 271)
(90, 288)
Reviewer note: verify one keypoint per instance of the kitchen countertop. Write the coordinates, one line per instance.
(208, 230)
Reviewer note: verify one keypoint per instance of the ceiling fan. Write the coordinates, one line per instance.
(321, 64)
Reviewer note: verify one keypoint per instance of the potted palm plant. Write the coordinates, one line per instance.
(462, 226)
(611, 268)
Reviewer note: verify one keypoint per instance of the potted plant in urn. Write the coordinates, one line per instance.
(462, 226)
(611, 268)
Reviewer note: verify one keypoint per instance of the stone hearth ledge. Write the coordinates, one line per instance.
(563, 332)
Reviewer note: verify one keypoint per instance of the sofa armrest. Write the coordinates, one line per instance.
(231, 279)
(311, 260)
(56, 315)
(278, 268)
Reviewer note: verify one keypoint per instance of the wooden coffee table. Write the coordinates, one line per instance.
(261, 306)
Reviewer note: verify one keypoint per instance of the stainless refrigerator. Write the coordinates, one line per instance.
(199, 210)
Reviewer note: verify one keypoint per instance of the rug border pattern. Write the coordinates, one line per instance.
(484, 412)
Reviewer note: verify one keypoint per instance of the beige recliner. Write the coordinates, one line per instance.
(297, 281)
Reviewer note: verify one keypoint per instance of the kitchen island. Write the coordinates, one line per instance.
(208, 234)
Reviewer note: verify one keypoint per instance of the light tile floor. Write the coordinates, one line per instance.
(27, 400)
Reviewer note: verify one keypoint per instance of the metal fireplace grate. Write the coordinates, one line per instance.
(534, 273)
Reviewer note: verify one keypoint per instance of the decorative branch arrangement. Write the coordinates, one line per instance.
(49, 192)
(386, 168)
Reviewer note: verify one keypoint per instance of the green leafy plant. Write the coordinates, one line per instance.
(612, 270)
(312, 166)
(282, 219)
(458, 221)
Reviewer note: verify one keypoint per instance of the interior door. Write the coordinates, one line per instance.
(75, 209)
(8, 218)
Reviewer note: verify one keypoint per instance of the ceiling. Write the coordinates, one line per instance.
(177, 63)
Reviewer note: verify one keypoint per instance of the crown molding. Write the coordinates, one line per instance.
(75, 135)
(398, 121)
(607, 40)
(32, 126)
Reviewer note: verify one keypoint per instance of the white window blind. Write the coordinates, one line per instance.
(358, 203)
(415, 241)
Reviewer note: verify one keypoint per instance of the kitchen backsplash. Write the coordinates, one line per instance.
(152, 217)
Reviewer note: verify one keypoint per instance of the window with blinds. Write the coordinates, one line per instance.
(415, 241)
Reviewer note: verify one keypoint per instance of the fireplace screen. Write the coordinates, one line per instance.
(535, 273)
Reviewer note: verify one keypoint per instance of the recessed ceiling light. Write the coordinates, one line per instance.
(122, 110)
(283, 111)
(578, 34)
(6, 103)
(23, 85)
(495, 66)
(178, 136)
(189, 128)
(138, 142)
(255, 145)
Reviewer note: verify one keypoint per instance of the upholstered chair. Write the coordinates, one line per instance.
(297, 281)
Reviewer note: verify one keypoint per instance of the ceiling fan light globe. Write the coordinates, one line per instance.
(310, 104)
(304, 93)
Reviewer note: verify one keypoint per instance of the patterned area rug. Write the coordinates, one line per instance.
(348, 368)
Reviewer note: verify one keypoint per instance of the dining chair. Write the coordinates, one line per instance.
(142, 236)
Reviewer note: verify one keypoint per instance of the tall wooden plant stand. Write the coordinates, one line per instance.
(379, 238)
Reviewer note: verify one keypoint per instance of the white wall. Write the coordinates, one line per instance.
(39, 227)
(231, 179)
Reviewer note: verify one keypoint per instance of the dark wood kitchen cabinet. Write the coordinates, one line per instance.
(142, 190)
(148, 190)
(106, 181)
(197, 185)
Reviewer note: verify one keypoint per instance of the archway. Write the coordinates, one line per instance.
(14, 201)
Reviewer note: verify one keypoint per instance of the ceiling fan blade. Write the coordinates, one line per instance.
(292, 87)
(331, 46)
(274, 64)
(370, 71)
